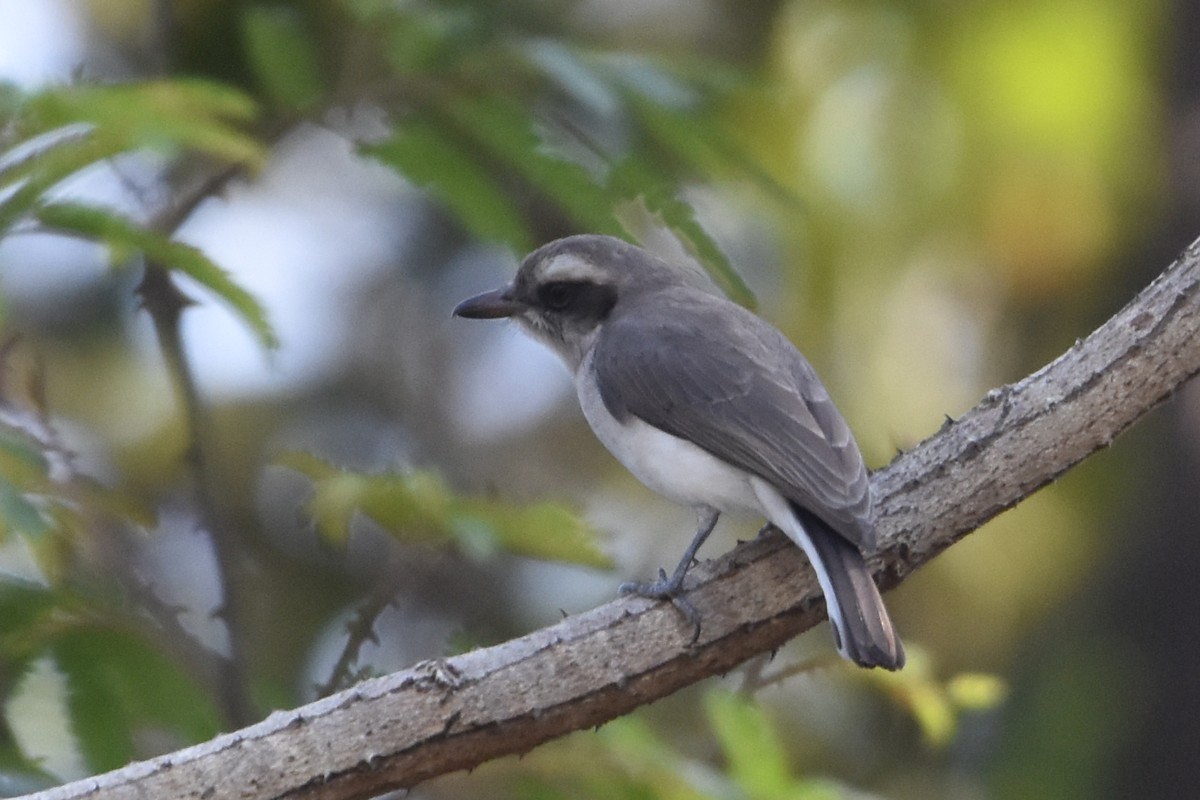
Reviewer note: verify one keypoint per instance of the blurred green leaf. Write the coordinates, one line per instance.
(11, 98)
(56, 133)
(635, 181)
(418, 506)
(974, 691)
(634, 760)
(19, 773)
(684, 133)
(755, 757)
(20, 459)
(28, 616)
(430, 158)
(120, 686)
(45, 164)
(504, 130)
(25, 486)
(32, 502)
(937, 706)
(450, 153)
(933, 711)
(282, 56)
(18, 514)
(694, 137)
(681, 139)
(21, 604)
(626, 760)
(27, 621)
(647, 763)
(436, 37)
(542, 530)
(52, 512)
(124, 236)
(164, 114)
(572, 74)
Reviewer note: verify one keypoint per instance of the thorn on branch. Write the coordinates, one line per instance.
(162, 299)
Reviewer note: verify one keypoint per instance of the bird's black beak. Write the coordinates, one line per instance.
(489, 305)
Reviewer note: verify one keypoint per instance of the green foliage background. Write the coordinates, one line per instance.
(931, 199)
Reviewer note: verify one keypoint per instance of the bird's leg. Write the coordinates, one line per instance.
(706, 520)
(672, 588)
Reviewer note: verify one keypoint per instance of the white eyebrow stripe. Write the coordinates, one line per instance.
(567, 267)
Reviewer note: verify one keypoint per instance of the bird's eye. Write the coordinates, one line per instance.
(557, 296)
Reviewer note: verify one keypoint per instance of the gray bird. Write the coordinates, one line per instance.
(710, 406)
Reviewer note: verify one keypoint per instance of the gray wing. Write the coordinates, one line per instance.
(706, 370)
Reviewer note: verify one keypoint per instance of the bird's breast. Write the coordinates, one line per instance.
(675, 468)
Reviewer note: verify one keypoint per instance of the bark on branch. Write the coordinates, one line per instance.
(442, 716)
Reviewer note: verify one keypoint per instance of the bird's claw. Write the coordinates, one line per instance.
(666, 589)
(660, 589)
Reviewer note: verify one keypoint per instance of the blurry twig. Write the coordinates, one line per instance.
(165, 302)
(208, 667)
(211, 181)
(756, 677)
(360, 630)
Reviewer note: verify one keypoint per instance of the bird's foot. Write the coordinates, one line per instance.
(666, 589)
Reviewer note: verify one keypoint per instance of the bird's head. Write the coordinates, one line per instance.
(565, 290)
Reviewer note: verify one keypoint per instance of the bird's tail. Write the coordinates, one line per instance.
(861, 624)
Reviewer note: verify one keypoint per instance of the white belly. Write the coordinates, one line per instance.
(673, 467)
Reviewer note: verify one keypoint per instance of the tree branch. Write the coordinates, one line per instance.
(442, 716)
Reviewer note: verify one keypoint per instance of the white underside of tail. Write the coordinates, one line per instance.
(777, 509)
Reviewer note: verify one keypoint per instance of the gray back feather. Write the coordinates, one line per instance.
(704, 369)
